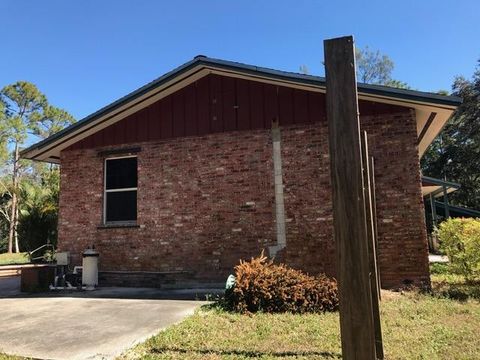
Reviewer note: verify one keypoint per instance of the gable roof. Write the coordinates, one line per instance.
(432, 110)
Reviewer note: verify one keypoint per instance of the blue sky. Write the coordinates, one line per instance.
(85, 54)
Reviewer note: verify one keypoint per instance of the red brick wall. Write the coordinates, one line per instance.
(403, 251)
(204, 202)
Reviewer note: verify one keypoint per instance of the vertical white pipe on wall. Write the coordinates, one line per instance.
(279, 202)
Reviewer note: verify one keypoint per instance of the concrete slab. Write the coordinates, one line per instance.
(84, 325)
(432, 258)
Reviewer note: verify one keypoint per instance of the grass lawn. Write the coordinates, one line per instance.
(446, 284)
(14, 259)
(415, 326)
(12, 357)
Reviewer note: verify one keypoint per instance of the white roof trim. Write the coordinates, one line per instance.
(52, 154)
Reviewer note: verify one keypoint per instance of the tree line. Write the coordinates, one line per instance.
(28, 190)
(455, 154)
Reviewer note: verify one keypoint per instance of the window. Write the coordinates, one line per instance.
(120, 198)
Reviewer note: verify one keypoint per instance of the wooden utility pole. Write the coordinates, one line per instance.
(350, 226)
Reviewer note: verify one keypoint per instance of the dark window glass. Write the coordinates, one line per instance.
(121, 173)
(121, 206)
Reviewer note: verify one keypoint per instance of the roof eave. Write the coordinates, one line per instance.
(429, 99)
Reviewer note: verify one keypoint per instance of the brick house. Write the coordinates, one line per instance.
(216, 160)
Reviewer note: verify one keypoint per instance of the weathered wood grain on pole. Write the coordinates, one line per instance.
(370, 219)
(356, 318)
(375, 224)
(372, 257)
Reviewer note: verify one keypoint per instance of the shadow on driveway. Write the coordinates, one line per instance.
(10, 288)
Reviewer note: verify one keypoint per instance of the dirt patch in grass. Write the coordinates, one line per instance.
(390, 295)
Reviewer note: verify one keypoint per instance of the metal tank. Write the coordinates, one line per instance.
(90, 268)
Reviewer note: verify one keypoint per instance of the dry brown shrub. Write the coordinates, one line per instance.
(261, 285)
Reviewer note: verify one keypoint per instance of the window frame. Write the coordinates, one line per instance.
(105, 191)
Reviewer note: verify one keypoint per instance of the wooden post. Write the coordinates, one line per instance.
(375, 233)
(372, 248)
(350, 230)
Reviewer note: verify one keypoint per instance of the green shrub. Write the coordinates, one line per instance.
(460, 240)
(14, 259)
(437, 268)
(261, 285)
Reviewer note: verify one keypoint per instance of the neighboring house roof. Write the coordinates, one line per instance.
(435, 187)
(455, 211)
(432, 110)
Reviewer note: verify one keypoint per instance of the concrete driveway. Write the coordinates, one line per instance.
(81, 326)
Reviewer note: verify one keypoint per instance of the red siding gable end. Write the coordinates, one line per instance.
(216, 104)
